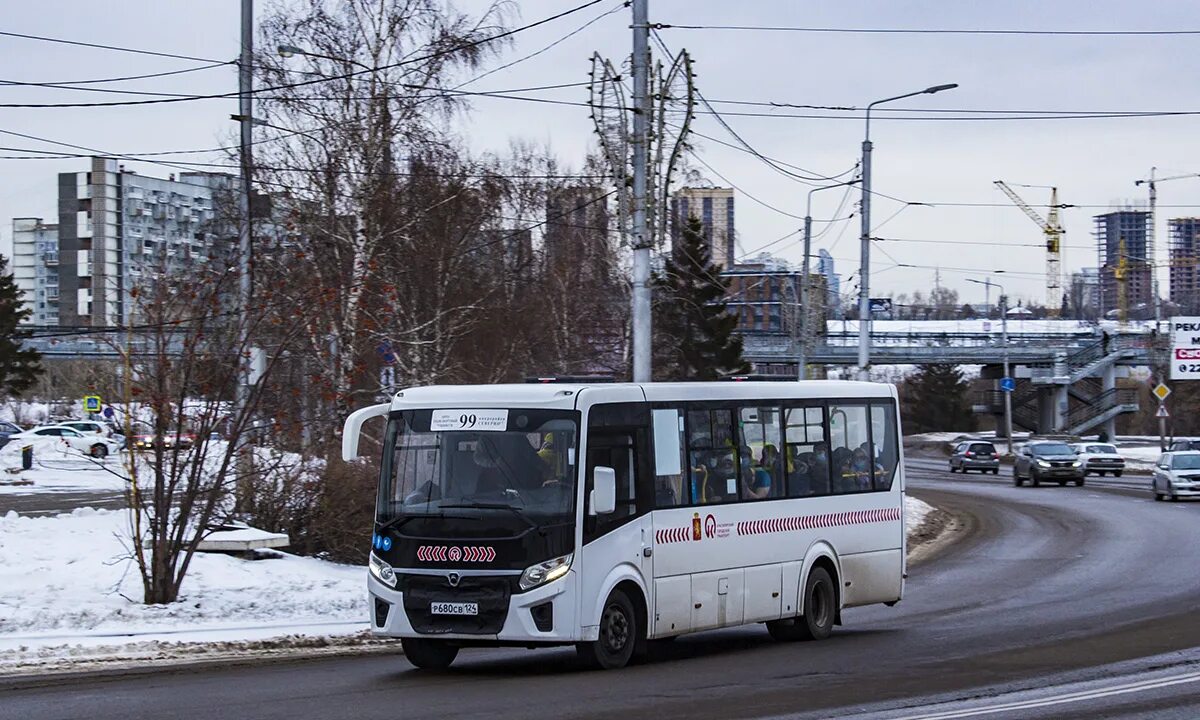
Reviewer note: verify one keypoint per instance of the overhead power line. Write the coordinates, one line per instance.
(124, 78)
(117, 48)
(323, 79)
(925, 31)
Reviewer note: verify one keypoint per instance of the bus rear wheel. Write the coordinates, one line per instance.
(429, 654)
(820, 610)
(619, 635)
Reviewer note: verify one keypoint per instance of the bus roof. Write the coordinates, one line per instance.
(565, 395)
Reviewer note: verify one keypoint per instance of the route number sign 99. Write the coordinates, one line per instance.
(1185, 348)
(489, 420)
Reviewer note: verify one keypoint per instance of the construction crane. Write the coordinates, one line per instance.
(1052, 229)
(1151, 251)
(1121, 275)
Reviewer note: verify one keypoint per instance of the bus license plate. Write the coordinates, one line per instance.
(446, 608)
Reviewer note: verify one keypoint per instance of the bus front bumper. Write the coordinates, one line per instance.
(545, 614)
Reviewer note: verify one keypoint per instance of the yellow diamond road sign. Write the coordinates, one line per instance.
(1161, 391)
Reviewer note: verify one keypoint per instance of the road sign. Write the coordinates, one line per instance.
(91, 403)
(1161, 392)
(1185, 348)
(109, 413)
(1162, 412)
(1008, 384)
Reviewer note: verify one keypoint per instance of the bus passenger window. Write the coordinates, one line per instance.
(712, 466)
(806, 452)
(853, 460)
(669, 460)
(758, 453)
(883, 434)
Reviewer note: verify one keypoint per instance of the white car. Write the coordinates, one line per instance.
(1100, 458)
(88, 427)
(93, 445)
(1176, 475)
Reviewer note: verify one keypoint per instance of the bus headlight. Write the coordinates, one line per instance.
(545, 572)
(382, 571)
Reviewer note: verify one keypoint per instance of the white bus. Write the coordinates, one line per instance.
(608, 515)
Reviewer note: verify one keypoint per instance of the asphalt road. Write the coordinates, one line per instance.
(1057, 602)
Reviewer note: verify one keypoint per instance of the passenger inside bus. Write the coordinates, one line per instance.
(756, 479)
(843, 471)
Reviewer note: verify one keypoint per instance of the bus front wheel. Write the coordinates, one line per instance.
(820, 611)
(619, 634)
(429, 654)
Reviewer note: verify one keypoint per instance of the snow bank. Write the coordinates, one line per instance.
(915, 512)
(70, 579)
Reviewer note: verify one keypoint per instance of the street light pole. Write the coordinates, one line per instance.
(803, 315)
(641, 240)
(864, 270)
(246, 123)
(1008, 429)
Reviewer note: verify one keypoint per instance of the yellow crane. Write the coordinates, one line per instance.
(1121, 275)
(1053, 230)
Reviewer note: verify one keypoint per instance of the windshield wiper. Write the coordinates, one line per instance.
(396, 522)
(494, 506)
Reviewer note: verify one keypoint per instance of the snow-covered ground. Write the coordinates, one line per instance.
(68, 583)
(70, 591)
(58, 468)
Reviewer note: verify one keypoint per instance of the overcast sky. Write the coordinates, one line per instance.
(1093, 162)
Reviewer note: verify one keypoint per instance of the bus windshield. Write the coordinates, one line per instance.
(522, 465)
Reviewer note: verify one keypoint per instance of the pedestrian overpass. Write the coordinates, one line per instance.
(1066, 372)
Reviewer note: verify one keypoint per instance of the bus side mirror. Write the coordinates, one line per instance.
(353, 428)
(604, 491)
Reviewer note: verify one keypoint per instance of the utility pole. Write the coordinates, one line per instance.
(804, 316)
(1003, 303)
(641, 238)
(246, 121)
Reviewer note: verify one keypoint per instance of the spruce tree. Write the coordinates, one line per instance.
(935, 398)
(18, 368)
(695, 334)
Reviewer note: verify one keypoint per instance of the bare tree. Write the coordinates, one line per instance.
(180, 362)
(364, 99)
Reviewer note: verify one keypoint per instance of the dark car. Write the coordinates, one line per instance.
(981, 456)
(1049, 460)
(6, 429)
(1184, 445)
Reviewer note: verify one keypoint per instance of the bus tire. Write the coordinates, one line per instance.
(619, 635)
(820, 611)
(429, 654)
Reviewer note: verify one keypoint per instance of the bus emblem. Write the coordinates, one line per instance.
(453, 579)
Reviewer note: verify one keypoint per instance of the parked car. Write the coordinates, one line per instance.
(1047, 460)
(88, 427)
(1183, 445)
(1100, 458)
(7, 430)
(93, 445)
(981, 456)
(1176, 475)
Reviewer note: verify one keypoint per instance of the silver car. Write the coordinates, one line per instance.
(981, 456)
(1176, 475)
